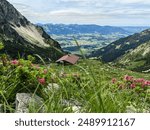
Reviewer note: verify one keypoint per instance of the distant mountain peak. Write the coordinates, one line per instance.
(8, 14)
(22, 36)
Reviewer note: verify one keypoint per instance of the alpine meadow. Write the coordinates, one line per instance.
(72, 67)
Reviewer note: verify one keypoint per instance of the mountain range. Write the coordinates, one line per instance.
(20, 36)
(64, 29)
(59, 29)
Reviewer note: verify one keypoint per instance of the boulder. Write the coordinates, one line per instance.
(26, 102)
(74, 105)
(53, 86)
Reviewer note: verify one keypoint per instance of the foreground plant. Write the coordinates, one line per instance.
(139, 85)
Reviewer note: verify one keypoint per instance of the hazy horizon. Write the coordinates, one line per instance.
(99, 12)
(94, 24)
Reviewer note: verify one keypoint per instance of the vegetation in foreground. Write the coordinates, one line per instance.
(95, 86)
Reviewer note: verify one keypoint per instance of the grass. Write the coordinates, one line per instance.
(86, 84)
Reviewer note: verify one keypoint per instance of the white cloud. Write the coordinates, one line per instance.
(86, 11)
(133, 1)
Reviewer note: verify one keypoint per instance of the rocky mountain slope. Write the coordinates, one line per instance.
(132, 51)
(20, 36)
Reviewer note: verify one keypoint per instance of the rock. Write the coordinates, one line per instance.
(76, 109)
(131, 109)
(53, 86)
(75, 106)
(1, 108)
(26, 102)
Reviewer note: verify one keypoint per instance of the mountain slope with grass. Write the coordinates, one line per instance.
(134, 48)
(21, 37)
(137, 59)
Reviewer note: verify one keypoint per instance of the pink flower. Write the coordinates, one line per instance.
(14, 62)
(35, 65)
(140, 80)
(132, 85)
(145, 83)
(148, 83)
(128, 78)
(42, 81)
(114, 80)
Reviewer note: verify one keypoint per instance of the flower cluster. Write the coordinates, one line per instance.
(34, 70)
(136, 82)
(14, 62)
(42, 81)
(131, 82)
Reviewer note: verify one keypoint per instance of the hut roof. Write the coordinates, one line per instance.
(69, 58)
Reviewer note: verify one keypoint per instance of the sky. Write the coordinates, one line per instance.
(100, 12)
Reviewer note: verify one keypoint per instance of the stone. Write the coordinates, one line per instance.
(131, 109)
(53, 86)
(26, 102)
(75, 106)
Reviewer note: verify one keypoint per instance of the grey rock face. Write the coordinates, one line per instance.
(19, 35)
(26, 102)
(8, 14)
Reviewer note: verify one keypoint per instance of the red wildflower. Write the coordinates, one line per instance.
(128, 78)
(35, 65)
(132, 85)
(145, 83)
(140, 80)
(114, 80)
(42, 81)
(14, 62)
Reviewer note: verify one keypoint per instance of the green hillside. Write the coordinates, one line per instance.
(89, 86)
(132, 52)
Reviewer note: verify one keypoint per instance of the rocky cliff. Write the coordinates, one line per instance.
(20, 36)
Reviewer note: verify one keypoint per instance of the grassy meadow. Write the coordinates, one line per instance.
(89, 86)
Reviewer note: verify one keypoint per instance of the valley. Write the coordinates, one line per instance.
(113, 77)
(90, 37)
(88, 42)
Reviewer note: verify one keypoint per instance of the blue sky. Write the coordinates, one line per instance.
(101, 12)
